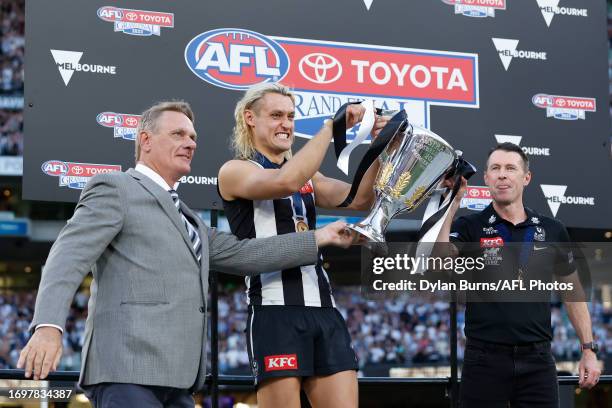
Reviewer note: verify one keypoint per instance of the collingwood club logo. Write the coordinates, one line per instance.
(555, 196)
(506, 48)
(529, 151)
(550, 8)
(68, 62)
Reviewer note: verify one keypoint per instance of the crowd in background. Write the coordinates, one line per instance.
(12, 41)
(404, 331)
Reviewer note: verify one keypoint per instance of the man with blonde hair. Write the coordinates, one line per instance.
(296, 336)
(145, 336)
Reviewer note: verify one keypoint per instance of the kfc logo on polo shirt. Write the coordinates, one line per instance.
(324, 74)
(550, 8)
(565, 107)
(477, 8)
(494, 242)
(281, 362)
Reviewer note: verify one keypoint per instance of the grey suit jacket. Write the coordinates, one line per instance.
(147, 320)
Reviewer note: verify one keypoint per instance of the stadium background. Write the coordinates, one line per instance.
(405, 336)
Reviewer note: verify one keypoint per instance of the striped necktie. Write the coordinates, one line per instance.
(191, 231)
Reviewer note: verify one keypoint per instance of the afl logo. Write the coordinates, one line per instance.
(320, 68)
(109, 119)
(54, 168)
(236, 58)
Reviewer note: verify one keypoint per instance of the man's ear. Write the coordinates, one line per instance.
(249, 117)
(527, 178)
(144, 138)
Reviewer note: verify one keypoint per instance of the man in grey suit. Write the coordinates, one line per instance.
(145, 337)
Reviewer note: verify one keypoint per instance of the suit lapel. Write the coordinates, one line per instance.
(166, 203)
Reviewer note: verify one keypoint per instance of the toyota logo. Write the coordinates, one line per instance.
(561, 102)
(131, 16)
(77, 169)
(320, 68)
(131, 122)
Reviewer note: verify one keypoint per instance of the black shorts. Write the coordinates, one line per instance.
(298, 341)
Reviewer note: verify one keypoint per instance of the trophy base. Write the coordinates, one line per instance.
(375, 241)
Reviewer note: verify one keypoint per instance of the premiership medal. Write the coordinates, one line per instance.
(301, 226)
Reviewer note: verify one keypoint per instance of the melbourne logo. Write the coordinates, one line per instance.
(529, 150)
(200, 180)
(236, 58)
(68, 63)
(565, 107)
(124, 125)
(550, 8)
(555, 196)
(136, 22)
(476, 198)
(75, 175)
(325, 74)
(477, 8)
(506, 48)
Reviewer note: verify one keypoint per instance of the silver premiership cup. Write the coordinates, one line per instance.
(411, 167)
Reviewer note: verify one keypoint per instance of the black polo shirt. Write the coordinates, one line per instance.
(514, 323)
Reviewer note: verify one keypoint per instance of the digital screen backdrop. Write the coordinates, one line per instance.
(477, 72)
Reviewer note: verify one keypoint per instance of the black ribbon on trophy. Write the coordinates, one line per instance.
(413, 163)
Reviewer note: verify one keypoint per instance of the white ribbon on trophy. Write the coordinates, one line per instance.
(365, 128)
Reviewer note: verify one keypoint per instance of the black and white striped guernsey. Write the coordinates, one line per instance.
(301, 286)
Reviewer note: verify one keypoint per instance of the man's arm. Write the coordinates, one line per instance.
(241, 179)
(254, 256)
(444, 247)
(578, 313)
(97, 219)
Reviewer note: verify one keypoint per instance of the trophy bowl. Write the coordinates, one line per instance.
(412, 165)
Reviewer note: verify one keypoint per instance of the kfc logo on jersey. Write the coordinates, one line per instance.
(477, 8)
(494, 242)
(550, 8)
(555, 196)
(529, 151)
(476, 198)
(506, 48)
(326, 74)
(136, 22)
(124, 125)
(75, 175)
(565, 107)
(281, 362)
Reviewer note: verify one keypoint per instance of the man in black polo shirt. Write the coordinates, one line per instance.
(508, 359)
